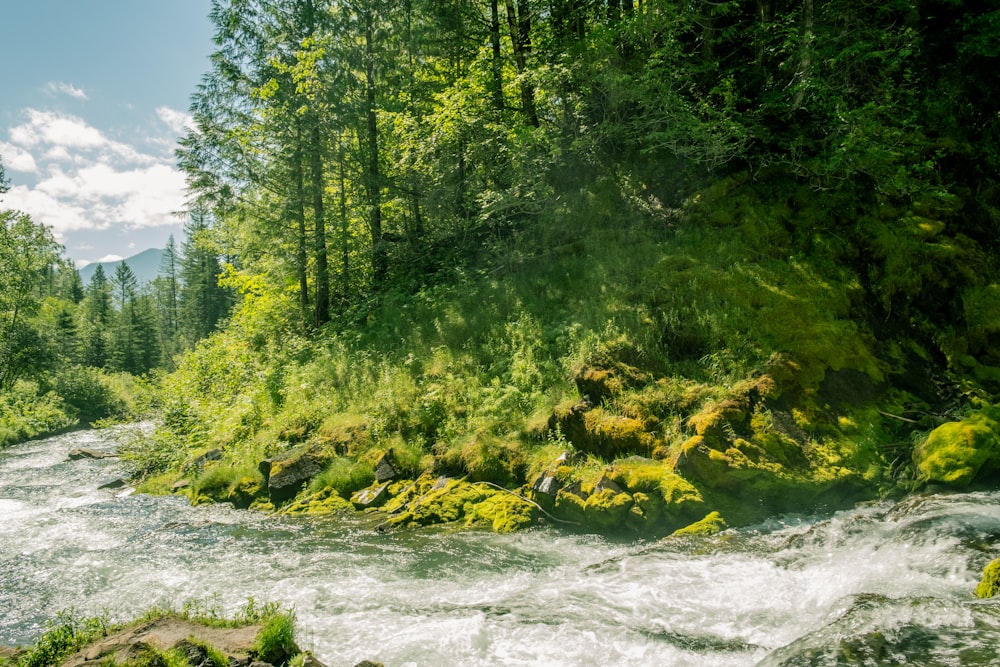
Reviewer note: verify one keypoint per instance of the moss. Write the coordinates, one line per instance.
(325, 501)
(957, 453)
(445, 502)
(662, 499)
(990, 583)
(503, 512)
(603, 510)
(712, 523)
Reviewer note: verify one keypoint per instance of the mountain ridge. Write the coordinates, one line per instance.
(145, 265)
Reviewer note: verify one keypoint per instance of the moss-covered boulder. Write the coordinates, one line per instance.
(429, 501)
(284, 475)
(325, 501)
(989, 586)
(598, 431)
(712, 523)
(958, 453)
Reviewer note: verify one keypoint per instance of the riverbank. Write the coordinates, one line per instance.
(261, 635)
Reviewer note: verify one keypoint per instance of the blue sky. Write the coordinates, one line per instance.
(93, 95)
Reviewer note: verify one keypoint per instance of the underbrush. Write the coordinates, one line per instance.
(76, 396)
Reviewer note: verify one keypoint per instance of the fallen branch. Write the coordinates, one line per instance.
(530, 502)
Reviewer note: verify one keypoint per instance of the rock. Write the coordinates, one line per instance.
(373, 496)
(712, 523)
(83, 453)
(179, 484)
(369, 663)
(958, 453)
(285, 475)
(989, 586)
(194, 655)
(546, 484)
(309, 660)
(604, 482)
(114, 484)
(199, 461)
(385, 469)
(134, 643)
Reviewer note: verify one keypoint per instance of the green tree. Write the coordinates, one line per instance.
(203, 302)
(27, 253)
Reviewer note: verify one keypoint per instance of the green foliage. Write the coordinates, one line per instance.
(275, 642)
(67, 633)
(343, 475)
(27, 412)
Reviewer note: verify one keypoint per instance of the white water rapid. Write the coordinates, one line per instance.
(884, 584)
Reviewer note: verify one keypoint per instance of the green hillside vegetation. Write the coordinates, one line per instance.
(616, 266)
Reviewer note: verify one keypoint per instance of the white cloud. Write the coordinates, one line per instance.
(16, 158)
(88, 181)
(178, 121)
(67, 89)
(111, 258)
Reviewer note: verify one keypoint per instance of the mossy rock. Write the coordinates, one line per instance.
(958, 453)
(990, 583)
(712, 523)
(604, 510)
(325, 501)
(662, 499)
(445, 502)
(596, 431)
(503, 512)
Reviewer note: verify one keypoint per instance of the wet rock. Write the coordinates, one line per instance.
(83, 453)
(114, 484)
(179, 484)
(285, 475)
(369, 663)
(374, 496)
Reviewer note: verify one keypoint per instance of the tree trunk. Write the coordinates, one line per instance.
(496, 83)
(319, 223)
(380, 258)
(804, 73)
(299, 212)
(519, 24)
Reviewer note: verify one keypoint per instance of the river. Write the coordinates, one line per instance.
(882, 584)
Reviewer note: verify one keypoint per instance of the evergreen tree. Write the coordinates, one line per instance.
(203, 301)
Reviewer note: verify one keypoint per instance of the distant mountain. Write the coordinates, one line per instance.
(145, 266)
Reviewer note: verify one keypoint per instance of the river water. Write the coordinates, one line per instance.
(883, 584)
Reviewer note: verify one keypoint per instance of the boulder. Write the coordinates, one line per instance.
(546, 484)
(958, 453)
(386, 469)
(83, 453)
(285, 475)
(374, 496)
(114, 484)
